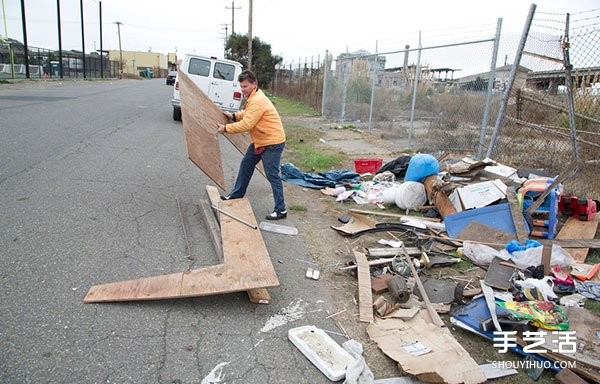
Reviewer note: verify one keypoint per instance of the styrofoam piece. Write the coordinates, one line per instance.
(321, 350)
(278, 228)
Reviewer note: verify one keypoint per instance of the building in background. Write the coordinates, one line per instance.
(145, 64)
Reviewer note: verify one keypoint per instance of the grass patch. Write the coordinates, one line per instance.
(4, 81)
(303, 148)
(298, 208)
(287, 107)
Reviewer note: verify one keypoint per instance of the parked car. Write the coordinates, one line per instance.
(171, 77)
(217, 78)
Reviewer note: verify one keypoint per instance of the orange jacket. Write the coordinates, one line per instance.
(261, 119)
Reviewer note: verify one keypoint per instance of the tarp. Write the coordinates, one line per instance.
(292, 174)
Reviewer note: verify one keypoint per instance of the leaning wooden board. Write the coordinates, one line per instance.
(244, 267)
(257, 295)
(577, 229)
(200, 119)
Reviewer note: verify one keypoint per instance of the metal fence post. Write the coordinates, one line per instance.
(490, 89)
(344, 91)
(511, 80)
(373, 86)
(325, 72)
(414, 96)
(570, 90)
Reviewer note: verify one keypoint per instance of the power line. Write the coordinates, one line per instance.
(233, 8)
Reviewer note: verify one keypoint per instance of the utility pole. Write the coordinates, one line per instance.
(82, 37)
(225, 27)
(233, 8)
(120, 50)
(250, 35)
(101, 50)
(25, 46)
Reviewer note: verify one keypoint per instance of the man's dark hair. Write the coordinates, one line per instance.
(247, 75)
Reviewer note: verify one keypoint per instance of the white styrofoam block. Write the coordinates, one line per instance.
(321, 350)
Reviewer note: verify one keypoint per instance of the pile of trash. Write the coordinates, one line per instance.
(527, 240)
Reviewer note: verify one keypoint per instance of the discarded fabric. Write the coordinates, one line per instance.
(589, 289)
(543, 314)
(397, 167)
(292, 174)
(358, 371)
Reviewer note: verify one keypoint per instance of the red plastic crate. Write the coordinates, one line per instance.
(367, 165)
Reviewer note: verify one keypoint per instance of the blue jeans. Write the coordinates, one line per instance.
(271, 158)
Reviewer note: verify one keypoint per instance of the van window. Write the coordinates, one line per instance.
(199, 67)
(224, 71)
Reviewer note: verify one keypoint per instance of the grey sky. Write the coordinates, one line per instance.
(295, 29)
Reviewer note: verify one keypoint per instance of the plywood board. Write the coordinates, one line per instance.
(200, 120)
(256, 295)
(365, 297)
(577, 229)
(244, 267)
(517, 216)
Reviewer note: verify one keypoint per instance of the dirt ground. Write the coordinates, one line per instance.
(315, 216)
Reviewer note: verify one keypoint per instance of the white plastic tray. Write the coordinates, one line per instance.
(321, 350)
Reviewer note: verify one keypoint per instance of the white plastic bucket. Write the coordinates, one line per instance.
(410, 195)
(388, 196)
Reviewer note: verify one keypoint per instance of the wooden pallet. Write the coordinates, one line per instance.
(245, 267)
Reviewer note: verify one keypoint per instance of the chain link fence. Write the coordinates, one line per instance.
(554, 118)
(45, 64)
(447, 92)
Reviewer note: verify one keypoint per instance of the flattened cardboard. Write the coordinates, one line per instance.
(448, 362)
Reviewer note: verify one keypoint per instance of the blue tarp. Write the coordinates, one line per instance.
(291, 174)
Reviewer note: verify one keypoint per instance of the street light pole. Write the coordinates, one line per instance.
(120, 50)
(82, 37)
(250, 35)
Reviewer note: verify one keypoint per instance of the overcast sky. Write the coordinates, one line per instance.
(295, 29)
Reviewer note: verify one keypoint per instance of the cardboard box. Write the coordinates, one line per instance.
(478, 195)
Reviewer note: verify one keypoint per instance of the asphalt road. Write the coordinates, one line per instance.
(92, 175)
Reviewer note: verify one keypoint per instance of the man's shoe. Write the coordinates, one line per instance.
(225, 197)
(277, 215)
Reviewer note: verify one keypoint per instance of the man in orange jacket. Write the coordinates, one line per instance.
(262, 120)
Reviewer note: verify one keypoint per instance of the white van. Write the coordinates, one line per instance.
(217, 78)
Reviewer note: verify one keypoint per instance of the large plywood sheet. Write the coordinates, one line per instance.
(200, 119)
(246, 266)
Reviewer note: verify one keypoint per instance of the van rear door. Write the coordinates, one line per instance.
(199, 72)
(224, 89)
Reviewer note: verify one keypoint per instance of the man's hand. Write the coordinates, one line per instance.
(229, 115)
(220, 128)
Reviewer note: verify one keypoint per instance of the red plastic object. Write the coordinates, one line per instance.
(367, 165)
(583, 209)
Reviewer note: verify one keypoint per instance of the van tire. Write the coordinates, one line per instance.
(176, 114)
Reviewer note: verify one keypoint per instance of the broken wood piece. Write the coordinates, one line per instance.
(577, 229)
(256, 295)
(244, 268)
(434, 315)
(394, 215)
(517, 216)
(365, 298)
(566, 376)
(574, 243)
(433, 187)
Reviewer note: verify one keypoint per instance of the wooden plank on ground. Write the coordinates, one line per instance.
(517, 216)
(245, 267)
(365, 297)
(256, 295)
(574, 243)
(566, 376)
(213, 228)
(577, 229)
